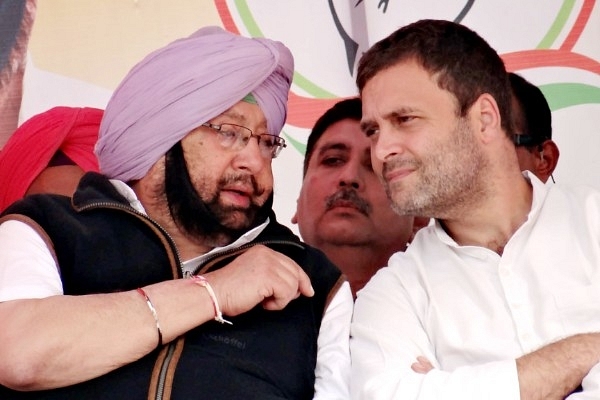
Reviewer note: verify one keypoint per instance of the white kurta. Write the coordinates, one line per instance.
(472, 312)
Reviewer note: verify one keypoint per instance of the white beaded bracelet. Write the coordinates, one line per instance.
(200, 280)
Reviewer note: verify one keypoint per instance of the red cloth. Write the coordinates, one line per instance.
(72, 130)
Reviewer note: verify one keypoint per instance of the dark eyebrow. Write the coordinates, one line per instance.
(366, 125)
(402, 111)
(391, 116)
(333, 146)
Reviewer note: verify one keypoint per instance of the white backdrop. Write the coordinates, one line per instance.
(87, 46)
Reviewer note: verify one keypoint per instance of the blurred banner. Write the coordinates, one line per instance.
(65, 52)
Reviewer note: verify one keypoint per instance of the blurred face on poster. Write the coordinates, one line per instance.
(16, 20)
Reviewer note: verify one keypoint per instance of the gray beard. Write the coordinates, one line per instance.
(451, 178)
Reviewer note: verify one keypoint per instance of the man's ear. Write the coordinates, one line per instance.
(487, 116)
(548, 159)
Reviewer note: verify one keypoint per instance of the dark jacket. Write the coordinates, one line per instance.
(103, 245)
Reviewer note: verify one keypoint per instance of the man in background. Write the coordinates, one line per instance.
(536, 150)
(49, 153)
(16, 21)
(168, 276)
(342, 208)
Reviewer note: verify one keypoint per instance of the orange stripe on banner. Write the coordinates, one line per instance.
(579, 25)
(226, 17)
(304, 111)
(549, 58)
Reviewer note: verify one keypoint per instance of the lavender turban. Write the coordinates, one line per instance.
(177, 88)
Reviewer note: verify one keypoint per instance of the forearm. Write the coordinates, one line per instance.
(493, 380)
(62, 340)
(555, 370)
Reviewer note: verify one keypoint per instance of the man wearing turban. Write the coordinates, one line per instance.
(168, 276)
(49, 153)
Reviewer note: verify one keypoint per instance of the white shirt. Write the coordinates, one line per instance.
(28, 270)
(472, 312)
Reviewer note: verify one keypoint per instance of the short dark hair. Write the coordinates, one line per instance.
(463, 63)
(533, 121)
(345, 109)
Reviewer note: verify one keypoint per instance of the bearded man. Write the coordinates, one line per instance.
(168, 276)
(498, 298)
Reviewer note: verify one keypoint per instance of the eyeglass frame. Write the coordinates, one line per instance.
(526, 140)
(241, 142)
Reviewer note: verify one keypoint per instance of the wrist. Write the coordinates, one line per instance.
(203, 282)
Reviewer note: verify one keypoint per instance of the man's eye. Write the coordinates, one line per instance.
(331, 161)
(371, 131)
(228, 135)
(267, 142)
(405, 118)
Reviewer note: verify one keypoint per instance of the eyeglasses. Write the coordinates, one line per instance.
(236, 137)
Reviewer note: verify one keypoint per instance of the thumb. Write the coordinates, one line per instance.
(304, 285)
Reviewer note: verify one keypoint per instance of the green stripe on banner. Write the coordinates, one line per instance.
(312, 89)
(248, 19)
(563, 95)
(254, 31)
(301, 147)
(558, 25)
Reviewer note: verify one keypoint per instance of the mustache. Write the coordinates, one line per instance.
(398, 162)
(348, 196)
(245, 179)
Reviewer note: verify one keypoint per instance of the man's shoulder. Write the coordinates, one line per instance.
(38, 204)
(571, 198)
(312, 260)
(96, 188)
(573, 189)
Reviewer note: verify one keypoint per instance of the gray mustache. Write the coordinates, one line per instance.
(245, 179)
(349, 196)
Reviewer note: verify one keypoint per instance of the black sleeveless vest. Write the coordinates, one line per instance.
(102, 245)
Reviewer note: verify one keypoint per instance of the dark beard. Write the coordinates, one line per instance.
(199, 218)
